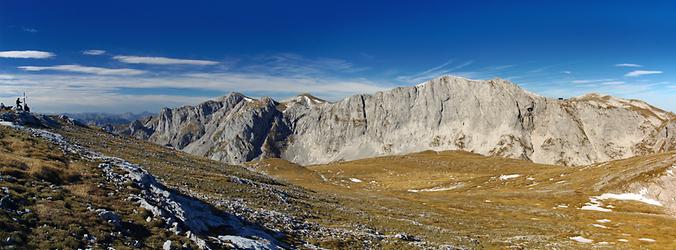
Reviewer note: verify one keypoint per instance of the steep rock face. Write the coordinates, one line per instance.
(447, 113)
(233, 129)
(493, 117)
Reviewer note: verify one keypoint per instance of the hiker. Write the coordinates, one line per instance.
(2, 106)
(18, 103)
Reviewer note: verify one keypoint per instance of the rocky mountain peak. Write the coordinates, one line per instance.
(303, 99)
(489, 117)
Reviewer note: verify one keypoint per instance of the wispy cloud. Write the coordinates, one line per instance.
(113, 90)
(591, 81)
(628, 65)
(29, 30)
(636, 73)
(77, 92)
(612, 83)
(26, 54)
(293, 64)
(94, 52)
(161, 60)
(443, 69)
(504, 67)
(85, 69)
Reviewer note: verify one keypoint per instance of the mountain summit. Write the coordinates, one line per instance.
(490, 117)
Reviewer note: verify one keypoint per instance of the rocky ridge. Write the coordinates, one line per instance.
(184, 215)
(489, 117)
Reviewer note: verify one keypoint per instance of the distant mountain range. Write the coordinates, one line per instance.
(105, 119)
(489, 117)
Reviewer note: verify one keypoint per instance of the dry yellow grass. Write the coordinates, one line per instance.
(445, 195)
(460, 198)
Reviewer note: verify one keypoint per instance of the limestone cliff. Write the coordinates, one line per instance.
(492, 117)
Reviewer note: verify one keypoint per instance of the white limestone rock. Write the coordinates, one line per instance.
(491, 117)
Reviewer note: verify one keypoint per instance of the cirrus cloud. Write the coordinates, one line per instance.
(628, 65)
(94, 52)
(613, 83)
(592, 80)
(161, 60)
(85, 69)
(636, 73)
(26, 54)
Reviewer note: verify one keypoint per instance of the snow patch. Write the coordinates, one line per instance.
(437, 189)
(581, 239)
(603, 221)
(646, 239)
(355, 180)
(594, 205)
(595, 208)
(509, 176)
(630, 197)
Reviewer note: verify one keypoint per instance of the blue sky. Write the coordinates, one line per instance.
(82, 56)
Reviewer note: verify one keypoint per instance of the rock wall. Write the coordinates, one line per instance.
(492, 117)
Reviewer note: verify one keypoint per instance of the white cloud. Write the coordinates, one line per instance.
(628, 65)
(6, 77)
(592, 80)
(85, 69)
(60, 92)
(26, 54)
(161, 60)
(567, 72)
(613, 83)
(642, 72)
(94, 52)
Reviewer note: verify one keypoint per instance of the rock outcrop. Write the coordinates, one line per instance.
(492, 117)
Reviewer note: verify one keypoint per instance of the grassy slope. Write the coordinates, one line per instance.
(215, 182)
(52, 194)
(527, 211)
(481, 212)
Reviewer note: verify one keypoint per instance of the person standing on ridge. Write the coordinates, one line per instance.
(18, 103)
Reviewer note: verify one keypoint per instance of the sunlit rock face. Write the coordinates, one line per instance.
(491, 117)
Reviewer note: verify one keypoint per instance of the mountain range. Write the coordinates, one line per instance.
(489, 117)
(107, 119)
(61, 178)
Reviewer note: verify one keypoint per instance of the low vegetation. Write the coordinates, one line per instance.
(52, 200)
(425, 200)
(462, 198)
